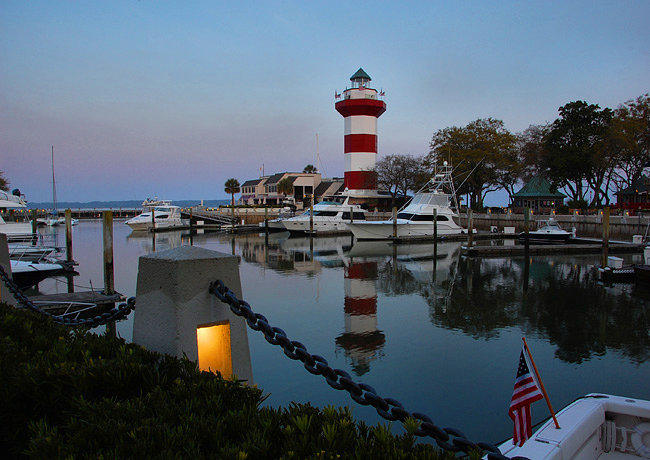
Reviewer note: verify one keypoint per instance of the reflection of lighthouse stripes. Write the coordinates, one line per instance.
(361, 293)
(361, 339)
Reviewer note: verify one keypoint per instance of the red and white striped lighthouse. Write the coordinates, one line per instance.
(360, 107)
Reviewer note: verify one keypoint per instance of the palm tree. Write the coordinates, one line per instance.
(285, 186)
(232, 187)
(4, 183)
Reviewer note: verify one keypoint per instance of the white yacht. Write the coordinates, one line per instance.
(161, 217)
(597, 426)
(330, 215)
(14, 230)
(416, 218)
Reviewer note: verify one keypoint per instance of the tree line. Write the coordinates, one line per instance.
(587, 153)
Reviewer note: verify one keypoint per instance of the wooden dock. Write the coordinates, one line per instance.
(550, 249)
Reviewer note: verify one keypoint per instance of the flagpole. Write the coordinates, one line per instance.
(539, 379)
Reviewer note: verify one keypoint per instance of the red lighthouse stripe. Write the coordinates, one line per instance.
(371, 107)
(360, 180)
(360, 143)
(360, 305)
(361, 271)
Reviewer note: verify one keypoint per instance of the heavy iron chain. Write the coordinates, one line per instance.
(448, 439)
(116, 313)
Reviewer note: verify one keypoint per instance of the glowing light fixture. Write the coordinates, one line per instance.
(213, 343)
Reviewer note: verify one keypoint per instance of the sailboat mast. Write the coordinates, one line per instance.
(53, 182)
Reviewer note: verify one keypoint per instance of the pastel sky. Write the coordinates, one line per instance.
(171, 98)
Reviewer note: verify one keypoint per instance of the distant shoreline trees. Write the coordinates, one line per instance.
(588, 153)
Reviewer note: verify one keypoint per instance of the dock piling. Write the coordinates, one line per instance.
(109, 276)
(605, 236)
(68, 245)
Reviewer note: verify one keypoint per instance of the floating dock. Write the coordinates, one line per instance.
(550, 249)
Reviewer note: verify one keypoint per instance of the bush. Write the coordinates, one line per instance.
(68, 393)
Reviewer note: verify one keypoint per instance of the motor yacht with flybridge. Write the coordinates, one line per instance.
(160, 217)
(416, 219)
(332, 215)
(15, 231)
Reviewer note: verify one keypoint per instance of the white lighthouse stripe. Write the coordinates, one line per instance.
(360, 124)
(359, 288)
(360, 161)
(360, 323)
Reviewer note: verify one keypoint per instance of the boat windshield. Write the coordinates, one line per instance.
(434, 199)
(550, 224)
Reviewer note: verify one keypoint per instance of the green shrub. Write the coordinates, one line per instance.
(67, 393)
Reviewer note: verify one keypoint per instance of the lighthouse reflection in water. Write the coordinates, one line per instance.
(437, 331)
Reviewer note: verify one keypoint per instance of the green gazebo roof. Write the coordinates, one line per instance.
(360, 74)
(538, 187)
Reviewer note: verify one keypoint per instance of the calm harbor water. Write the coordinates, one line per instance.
(438, 332)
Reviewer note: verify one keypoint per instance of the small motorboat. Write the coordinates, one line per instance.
(26, 274)
(596, 426)
(548, 231)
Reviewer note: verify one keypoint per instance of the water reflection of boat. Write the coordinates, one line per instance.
(596, 426)
(328, 251)
(422, 260)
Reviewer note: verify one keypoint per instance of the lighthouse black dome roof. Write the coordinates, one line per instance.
(360, 75)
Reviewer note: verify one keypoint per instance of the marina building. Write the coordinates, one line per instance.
(538, 196)
(264, 190)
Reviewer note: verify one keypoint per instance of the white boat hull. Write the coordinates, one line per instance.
(27, 274)
(164, 218)
(593, 427)
(146, 226)
(319, 226)
(382, 230)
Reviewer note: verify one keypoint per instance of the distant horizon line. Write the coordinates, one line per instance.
(137, 203)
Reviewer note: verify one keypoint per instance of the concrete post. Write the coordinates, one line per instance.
(174, 305)
(5, 293)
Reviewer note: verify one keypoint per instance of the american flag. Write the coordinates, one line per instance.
(525, 393)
